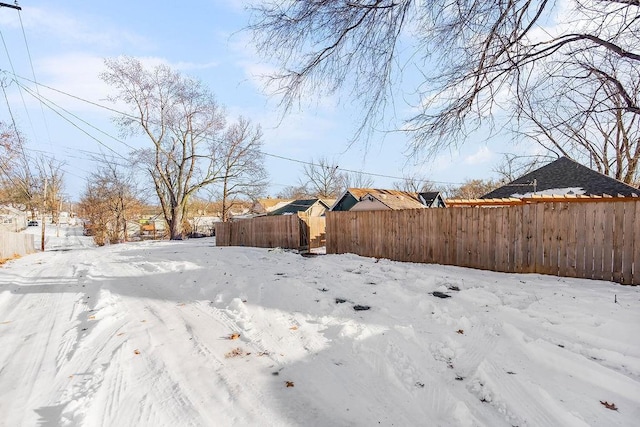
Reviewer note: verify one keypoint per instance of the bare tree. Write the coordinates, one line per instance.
(475, 56)
(109, 201)
(587, 119)
(294, 192)
(414, 184)
(323, 179)
(358, 180)
(181, 119)
(242, 165)
(10, 151)
(513, 166)
(20, 182)
(472, 189)
(51, 181)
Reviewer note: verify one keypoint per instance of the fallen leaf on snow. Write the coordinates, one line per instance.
(294, 328)
(460, 331)
(136, 351)
(120, 334)
(92, 317)
(289, 383)
(233, 336)
(236, 352)
(608, 405)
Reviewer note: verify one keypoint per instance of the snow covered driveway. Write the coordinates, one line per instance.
(186, 333)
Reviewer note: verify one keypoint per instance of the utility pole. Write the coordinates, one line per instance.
(11, 6)
(44, 212)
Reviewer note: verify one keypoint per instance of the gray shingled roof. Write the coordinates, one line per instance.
(564, 173)
(296, 206)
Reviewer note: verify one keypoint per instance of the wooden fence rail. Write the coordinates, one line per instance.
(12, 244)
(598, 240)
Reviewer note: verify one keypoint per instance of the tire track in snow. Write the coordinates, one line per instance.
(34, 338)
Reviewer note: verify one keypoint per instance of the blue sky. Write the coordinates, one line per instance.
(68, 41)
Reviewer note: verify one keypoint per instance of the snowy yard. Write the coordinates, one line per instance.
(186, 333)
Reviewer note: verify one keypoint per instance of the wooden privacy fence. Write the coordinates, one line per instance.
(599, 240)
(263, 232)
(282, 231)
(12, 244)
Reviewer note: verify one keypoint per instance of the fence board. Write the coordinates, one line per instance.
(618, 241)
(563, 239)
(607, 248)
(636, 246)
(628, 240)
(582, 224)
(517, 239)
(539, 238)
(468, 243)
(598, 237)
(502, 241)
(549, 265)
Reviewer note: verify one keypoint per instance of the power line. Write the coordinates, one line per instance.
(33, 72)
(73, 124)
(19, 90)
(262, 152)
(40, 97)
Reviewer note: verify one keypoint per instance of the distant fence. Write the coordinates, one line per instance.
(12, 244)
(599, 240)
(282, 231)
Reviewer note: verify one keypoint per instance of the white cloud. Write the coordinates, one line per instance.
(482, 155)
(74, 30)
(73, 73)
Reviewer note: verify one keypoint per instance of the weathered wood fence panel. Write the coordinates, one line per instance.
(599, 240)
(12, 244)
(284, 231)
(317, 230)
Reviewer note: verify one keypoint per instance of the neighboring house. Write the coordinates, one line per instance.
(12, 219)
(563, 177)
(303, 207)
(371, 199)
(203, 225)
(432, 199)
(265, 206)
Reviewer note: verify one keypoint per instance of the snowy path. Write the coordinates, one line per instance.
(138, 335)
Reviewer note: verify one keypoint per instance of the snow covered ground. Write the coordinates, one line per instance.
(186, 333)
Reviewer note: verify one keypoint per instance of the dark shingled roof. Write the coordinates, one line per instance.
(564, 173)
(428, 197)
(296, 206)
